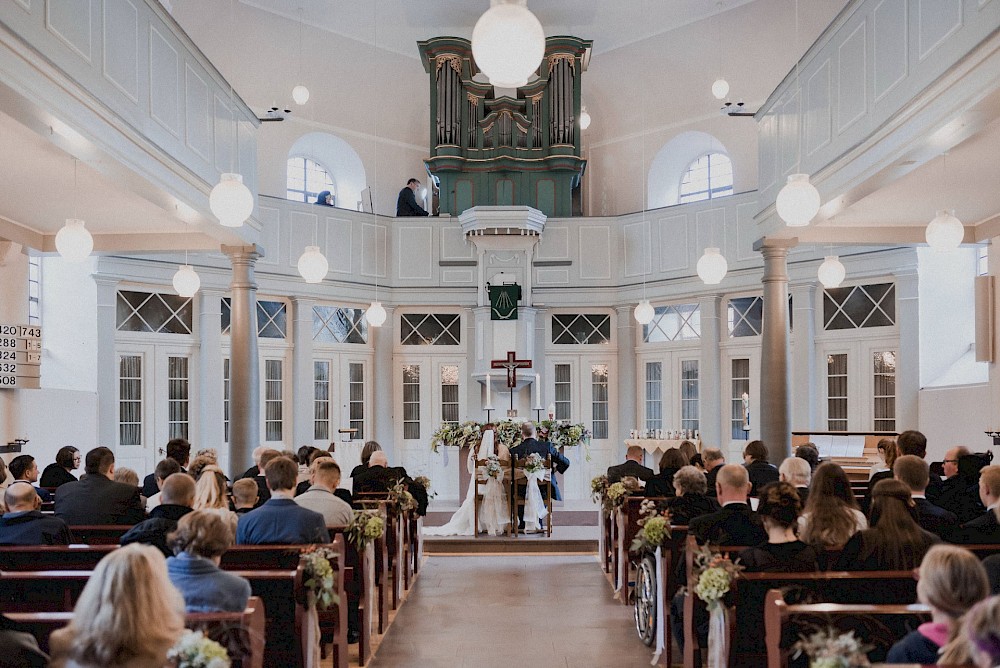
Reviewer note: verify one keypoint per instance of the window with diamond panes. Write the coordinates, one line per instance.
(356, 394)
(580, 329)
(449, 393)
(321, 401)
(335, 324)
(859, 306)
(689, 395)
(154, 312)
(411, 401)
(654, 395)
(680, 322)
(885, 391)
(225, 398)
(599, 399)
(563, 391)
(273, 399)
(836, 392)
(130, 400)
(740, 385)
(430, 329)
(178, 388)
(272, 319)
(746, 315)
(34, 290)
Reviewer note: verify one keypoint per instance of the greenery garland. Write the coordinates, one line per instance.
(508, 433)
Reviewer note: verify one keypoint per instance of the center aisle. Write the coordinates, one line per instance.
(509, 611)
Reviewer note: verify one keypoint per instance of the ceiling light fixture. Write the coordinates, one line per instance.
(720, 89)
(375, 313)
(712, 266)
(313, 265)
(186, 280)
(832, 272)
(644, 312)
(945, 233)
(300, 93)
(508, 43)
(73, 241)
(584, 118)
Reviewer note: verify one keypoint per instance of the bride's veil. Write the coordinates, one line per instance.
(487, 448)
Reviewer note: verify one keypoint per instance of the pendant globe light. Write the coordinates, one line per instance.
(508, 43)
(313, 265)
(375, 314)
(584, 118)
(73, 241)
(832, 272)
(644, 312)
(186, 281)
(712, 267)
(300, 93)
(720, 89)
(945, 233)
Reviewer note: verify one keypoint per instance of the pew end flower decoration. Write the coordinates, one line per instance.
(654, 528)
(599, 488)
(619, 491)
(533, 463)
(194, 650)
(830, 648)
(400, 499)
(714, 576)
(319, 576)
(366, 526)
(425, 482)
(493, 468)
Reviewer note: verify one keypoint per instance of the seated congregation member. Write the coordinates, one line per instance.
(98, 499)
(177, 500)
(303, 457)
(127, 476)
(266, 457)
(691, 499)
(959, 492)
(714, 460)
(211, 493)
(280, 520)
(887, 451)
(370, 448)
(759, 469)
(321, 498)
(303, 487)
(662, 484)
(691, 454)
(914, 473)
(951, 581)
(164, 469)
(735, 523)
(379, 477)
(24, 524)
(913, 442)
(529, 445)
(198, 543)
(632, 467)
(128, 615)
(980, 630)
(986, 527)
(831, 514)
(783, 552)
(23, 468)
(244, 495)
(895, 542)
(810, 453)
(61, 470)
(797, 473)
(255, 470)
(178, 450)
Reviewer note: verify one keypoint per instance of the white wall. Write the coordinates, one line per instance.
(69, 325)
(951, 416)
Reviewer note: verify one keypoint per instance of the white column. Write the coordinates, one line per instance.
(908, 358)
(302, 372)
(803, 374)
(244, 363)
(710, 372)
(385, 393)
(628, 413)
(107, 362)
(210, 397)
(775, 428)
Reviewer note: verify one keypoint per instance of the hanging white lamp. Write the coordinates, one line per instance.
(644, 312)
(508, 43)
(720, 89)
(231, 201)
(186, 281)
(945, 232)
(313, 265)
(584, 118)
(798, 202)
(712, 267)
(300, 94)
(832, 272)
(73, 241)
(375, 315)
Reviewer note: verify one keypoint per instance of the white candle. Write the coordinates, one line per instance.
(489, 393)
(538, 392)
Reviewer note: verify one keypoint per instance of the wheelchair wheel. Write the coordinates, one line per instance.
(645, 600)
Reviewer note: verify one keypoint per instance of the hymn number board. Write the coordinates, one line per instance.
(20, 356)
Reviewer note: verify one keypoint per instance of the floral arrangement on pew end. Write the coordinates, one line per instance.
(533, 463)
(655, 528)
(400, 500)
(617, 492)
(599, 489)
(425, 482)
(194, 650)
(319, 575)
(829, 648)
(715, 575)
(456, 435)
(493, 468)
(366, 526)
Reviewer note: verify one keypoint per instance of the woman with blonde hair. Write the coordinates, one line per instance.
(212, 493)
(128, 615)
(951, 581)
(982, 633)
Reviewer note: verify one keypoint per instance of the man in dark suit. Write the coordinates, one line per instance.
(985, 529)
(179, 450)
(281, 521)
(632, 467)
(714, 461)
(528, 446)
(176, 501)
(959, 491)
(735, 523)
(913, 442)
(98, 499)
(914, 472)
(797, 473)
(267, 456)
(758, 468)
(406, 203)
(24, 524)
(379, 478)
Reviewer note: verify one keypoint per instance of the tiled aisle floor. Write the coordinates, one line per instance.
(512, 611)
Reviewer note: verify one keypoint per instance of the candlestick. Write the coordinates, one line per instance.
(538, 392)
(489, 394)
(551, 410)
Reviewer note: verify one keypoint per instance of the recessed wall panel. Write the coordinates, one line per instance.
(554, 244)
(454, 246)
(197, 114)
(889, 23)
(270, 234)
(818, 112)
(595, 252)
(121, 46)
(224, 136)
(638, 249)
(339, 245)
(164, 82)
(673, 232)
(373, 247)
(415, 253)
(937, 19)
(72, 22)
(303, 231)
(852, 100)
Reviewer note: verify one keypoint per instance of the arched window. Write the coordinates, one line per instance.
(708, 177)
(307, 179)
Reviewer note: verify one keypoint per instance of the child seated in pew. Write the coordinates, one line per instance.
(951, 581)
(199, 542)
(244, 495)
(982, 633)
(128, 615)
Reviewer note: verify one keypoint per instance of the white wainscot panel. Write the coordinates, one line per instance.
(711, 227)
(224, 137)
(768, 160)
(454, 246)
(552, 276)
(164, 82)
(248, 153)
(373, 239)
(339, 244)
(24, 4)
(121, 46)
(852, 99)
(937, 19)
(72, 22)
(673, 232)
(415, 252)
(270, 219)
(454, 276)
(818, 112)
(746, 232)
(303, 231)
(638, 249)
(554, 244)
(197, 114)
(889, 33)
(595, 252)
(788, 137)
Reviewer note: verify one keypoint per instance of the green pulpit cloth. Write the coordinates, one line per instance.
(503, 301)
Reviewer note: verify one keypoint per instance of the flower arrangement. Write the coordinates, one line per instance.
(533, 463)
(715, 575)
(599, 488)
(493, 468)
(319, 575)
(194, 650)
(508, 432)
(425, 482)
(829, 648)
(456, 435)
(400, 500)
(367, 525)
(616, 494)
(655, 527)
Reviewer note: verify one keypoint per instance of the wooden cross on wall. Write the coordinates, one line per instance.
(512, 365)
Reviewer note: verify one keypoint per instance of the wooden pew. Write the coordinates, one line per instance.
(626, 523)
(42, 624)
(99, 534)
(394, 539)
(778, 614)
(358, 587)
(53, 557)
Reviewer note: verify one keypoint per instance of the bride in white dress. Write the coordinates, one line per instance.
(494, 513)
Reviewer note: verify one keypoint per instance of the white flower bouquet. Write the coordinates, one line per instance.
(493, 468)
(367, 525)
(533, 463)
(319, 576)
(829, 648)
(194, 650)
(715, 575)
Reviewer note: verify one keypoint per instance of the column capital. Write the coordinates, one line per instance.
(624, 310)
(243, 254)
(803, 288)
(775, 264)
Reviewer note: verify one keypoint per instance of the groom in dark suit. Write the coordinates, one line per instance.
(529, 445)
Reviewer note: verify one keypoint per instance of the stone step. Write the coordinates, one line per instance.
(564, 539)
(561, 518)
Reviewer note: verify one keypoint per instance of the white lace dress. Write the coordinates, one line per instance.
(494, 511)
